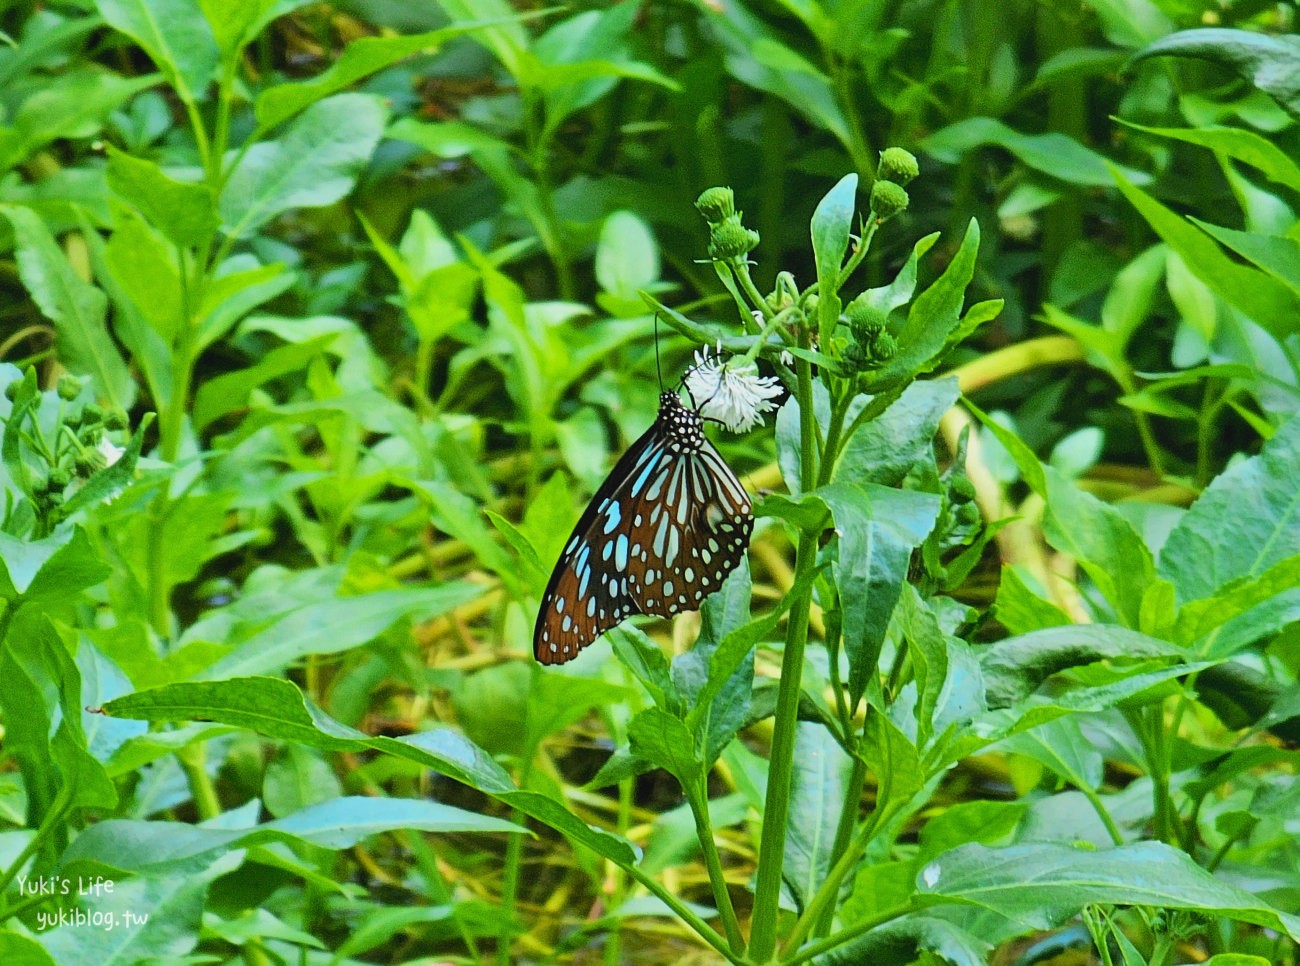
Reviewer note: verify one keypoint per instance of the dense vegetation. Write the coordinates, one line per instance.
(324, 321)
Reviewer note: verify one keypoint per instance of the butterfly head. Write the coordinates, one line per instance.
(683, 426)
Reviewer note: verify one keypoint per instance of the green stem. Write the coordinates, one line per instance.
(682, 912)
(740, 268)
(510, 886)
(58, 808)
(697, 796)
(193, 762)
(762, 946)
(845, 935)
(1102, 813)
(844, 834)
(614, 939)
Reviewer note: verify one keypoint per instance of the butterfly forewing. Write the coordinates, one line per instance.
(661, 534)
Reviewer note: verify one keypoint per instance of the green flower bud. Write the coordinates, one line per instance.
(59, 478)
(968, 514)
(11, 390)
(810, 304)
(866, 320)
(91, 415)
(963, 490)
(89, 462)
(855, 356)
(69, 387)
(53, 498)
(90, 435)
(884, 346)
(716, 204)
(731, 239)
(887, 200)
(115, 419)
(897, 165)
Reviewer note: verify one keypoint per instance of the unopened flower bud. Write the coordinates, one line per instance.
(69, 387)
(866, 320)
(855, 356)
(11, 390)
(887, 200)
(115, 419)
(731, 239)
(963, 491)
(884, 346)
(59, 478)
(897, 165)
(91, 414)
(716, 204)
(968, 514)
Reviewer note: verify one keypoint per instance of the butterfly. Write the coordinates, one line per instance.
(663, 531)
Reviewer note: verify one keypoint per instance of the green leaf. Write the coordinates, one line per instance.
(19, 950)
(296, 778)
(1237, 143)
(832, 221)
(1264, 299)
(1056, 155)
(74, 104)
(934, 321)
(75, 307)
(166, 917)
(1094, 533)
(360, 58)
(147, 272)
(1244, 523)
(340, 624)
(1270, 63)
(163, 848)
(230, 391)
(878, 528)
(1061, 746)
(627, 258)
(905, 941)
(664, 740)
(1275, 254)
(186, 213)
(886, 449)
(277, 709)
(315, 163)
(821, 772)
(1040, 885)
(1200, 618)
(1021, 610)
(896, 765)
(175, 35)
(1015, 666)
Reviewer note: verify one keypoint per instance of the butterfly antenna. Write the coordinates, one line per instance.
(658, 369)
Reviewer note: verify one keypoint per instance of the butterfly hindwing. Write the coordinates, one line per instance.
(662, 532)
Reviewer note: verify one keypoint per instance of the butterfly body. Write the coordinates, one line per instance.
(664, 530)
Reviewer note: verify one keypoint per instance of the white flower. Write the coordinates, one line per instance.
(731, 391)
(786, 358)
(110, 452)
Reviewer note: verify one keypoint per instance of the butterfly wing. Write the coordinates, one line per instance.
(661, 534)
(694, 537)
(588, 592)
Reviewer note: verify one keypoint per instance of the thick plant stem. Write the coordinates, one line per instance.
(776, 809)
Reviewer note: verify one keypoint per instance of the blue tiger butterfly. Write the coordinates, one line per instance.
(664, 530)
